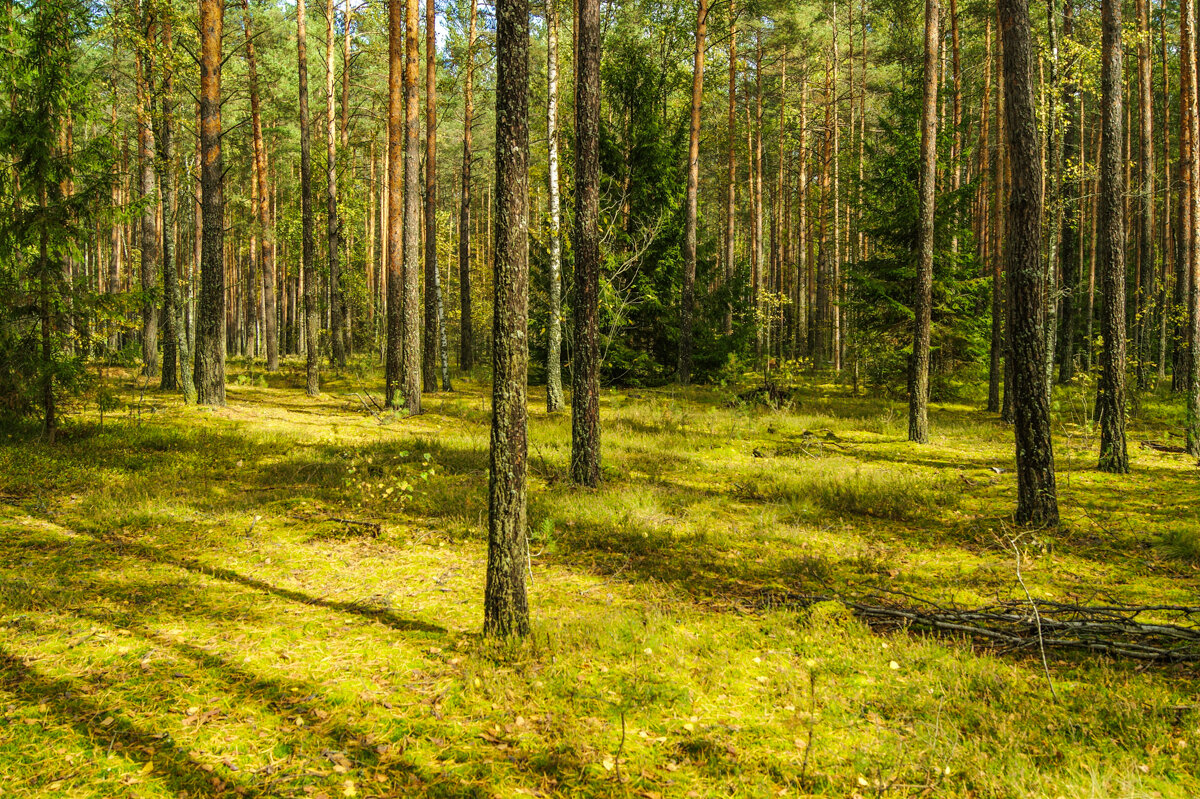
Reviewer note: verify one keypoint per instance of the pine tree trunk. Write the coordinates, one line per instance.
(172, 302)
(688, 298)
(150, 255)
(333, 228)
(312, 320)
(1145, 308)
(918, 381)
(210, 328)
(585, 377)
(1113, 454)
(411, 301)
(1071, 219)
(429, 349)
(1191, 221)
(466, 344)
(506, 609)
(554, 387)
(731, 189)
(395, 377)
(1037, 502)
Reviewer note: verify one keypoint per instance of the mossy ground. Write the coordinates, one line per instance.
(181, 613)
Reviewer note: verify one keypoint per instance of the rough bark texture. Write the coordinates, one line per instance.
(266, 232)
(688, 298)
(731, 189)
(1111, 245)
(1145, 309)
(918, 381)
(1037, 502)
(312, 322)
(466, 342)
(148, 240)
(585, 378)
(429, 349)
(333, 230)
(506, 608)
(172, 301)
(1069, 252)
(554, 388)
(1190, 228)
(394, 357)
(410, 351)
(210, 327)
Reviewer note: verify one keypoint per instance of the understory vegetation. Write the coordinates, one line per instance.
(282, 597)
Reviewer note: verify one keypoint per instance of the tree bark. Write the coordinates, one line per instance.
(429, 349)
(210, 330)
(506, 608)
(394, 359)
(410, 355)
(1071, 219)
(918, 382)
(1113, 454)
(466, 343)
(1037, 502)
(688, 298)
(731, 189)
(148, 241)
(554, 387)
(1144, 313)
(1191, 219)
(333, 228)
(585, 383)
(312, 321)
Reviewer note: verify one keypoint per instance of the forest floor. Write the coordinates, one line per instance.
(198, 602)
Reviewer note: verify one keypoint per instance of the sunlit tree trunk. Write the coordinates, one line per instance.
(554, 388)
(1191, 220)
(267, 247)
(731, 188)
(147, 189)
(210, 328)
(918, 382)
(1145, 302)
(410, 358)
(429, 348)
(312, 322)
(687, 301)
(333, 230)
(394, 355)
(466, 344)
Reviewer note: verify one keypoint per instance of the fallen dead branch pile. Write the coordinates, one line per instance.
(1162, 633)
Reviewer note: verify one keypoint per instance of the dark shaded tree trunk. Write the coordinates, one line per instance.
(688, 298)
(466, 343)
(1145, 301)
(312, 320)
(1071, 220)
(429, 349)
(506, 608)
(1111, 410)
(585, 377)
(210, 328)
(148, 240)
(1037, 502)
(731, 189)
(394, 355)
(918, 380)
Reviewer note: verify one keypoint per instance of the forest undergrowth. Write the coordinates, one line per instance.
(284, 598)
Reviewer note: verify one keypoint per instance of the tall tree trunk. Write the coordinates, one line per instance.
(410, 357)
(429, 349)
(1113, 454)
(1191, 218)
(1071, 220)
(688, 299)
(333, 228)
(1145, 296)
(996, 349)
(466, 344)
(757, 232)
(395, 378)
(1053, 191)
(210, 328)
(1037, 502)
(956, 147)
(918, 381)
(554, 388)
(506, 608)
(172, 302)
(731, 189)
(312, 320)
(148, 241)
(585, 379)
(267, 247)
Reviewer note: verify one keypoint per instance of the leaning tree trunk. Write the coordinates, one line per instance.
(312, 322)
(210, 328)
(429, 350)
(1037, 502)
(1113, 454)
(411, 301)
(266, 234)
(688, 299)
(585, 381)
(506, 608)
(554, 388)
(918, 381)
(394, 358)
(466, 341)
